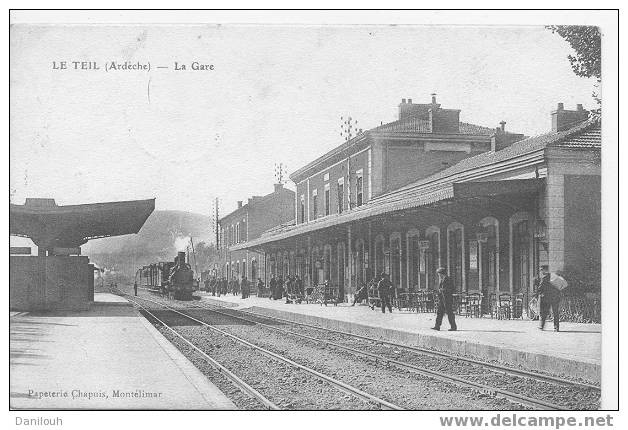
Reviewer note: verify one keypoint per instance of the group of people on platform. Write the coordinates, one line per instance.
(220, 286)
(292, 289)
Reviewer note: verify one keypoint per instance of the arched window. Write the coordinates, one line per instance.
(327, 263)
(254, 274)
(520, 252)
(316, 267)
(488, 239)
(360, 267)
(432, 257)
(455, 255)
(340, 271)
(379, 255)
(395, 259)
(412, 259)
(279, 265)
(286, 265)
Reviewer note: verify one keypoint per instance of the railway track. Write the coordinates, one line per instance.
(494, 366)
(442, 376)
(248, 389)
(463, 377)
(232, 377)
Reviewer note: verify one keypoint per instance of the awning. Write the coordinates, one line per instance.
(49, 225)
(403, 200)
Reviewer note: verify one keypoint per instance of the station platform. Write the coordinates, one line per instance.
(107, 357)
(575, 350)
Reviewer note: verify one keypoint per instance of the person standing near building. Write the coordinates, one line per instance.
(260, 287)
(244, 287)
(273, 287)
(549, 298)
(135, 288)
(361, 294)
(445, 300)
(384, 287)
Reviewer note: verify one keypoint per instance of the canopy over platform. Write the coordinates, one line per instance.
(50, 226)
(404, 200)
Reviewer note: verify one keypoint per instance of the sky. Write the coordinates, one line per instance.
(276, 94)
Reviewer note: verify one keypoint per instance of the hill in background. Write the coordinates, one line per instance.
(163, 234)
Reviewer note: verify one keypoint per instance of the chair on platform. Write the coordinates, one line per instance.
(517, 305)
(493, 305)
(461, 305)
(504, 310)
(474, 305)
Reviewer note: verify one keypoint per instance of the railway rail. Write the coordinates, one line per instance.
(495, 366)
(232, 377)
(466, 377)
(342, 386)
(497, 369)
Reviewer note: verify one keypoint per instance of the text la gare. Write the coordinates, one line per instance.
(194, 66)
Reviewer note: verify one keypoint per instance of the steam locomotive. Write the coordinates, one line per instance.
(174, 279)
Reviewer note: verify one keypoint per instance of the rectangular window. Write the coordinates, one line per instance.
(327, 199)
(359, 188)
(326, 177)
(302, 211)
(314, 204)
(341, 195)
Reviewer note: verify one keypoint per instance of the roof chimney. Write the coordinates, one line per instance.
(501, 139)
(403, 100)
(239, 204)
(410, 101)
(564, 119)
(433, 98)
(278, 187)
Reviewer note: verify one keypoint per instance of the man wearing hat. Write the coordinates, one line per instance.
(445, 300)
(549, 298)
(384, 289)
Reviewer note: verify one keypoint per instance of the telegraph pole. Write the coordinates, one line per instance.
(281, 173)
(349, 129)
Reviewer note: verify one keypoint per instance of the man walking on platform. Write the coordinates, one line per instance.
(549, 298)
(244, 287)
(445, 300)
(384, 288)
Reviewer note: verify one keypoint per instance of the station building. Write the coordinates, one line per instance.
(428, 190)
(248, 222)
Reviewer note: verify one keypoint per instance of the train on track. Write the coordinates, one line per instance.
(174, 279)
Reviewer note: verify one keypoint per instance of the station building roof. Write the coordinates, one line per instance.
(456, 181)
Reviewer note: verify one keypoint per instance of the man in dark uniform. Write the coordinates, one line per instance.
(273, 287)
(244, 287)
(260, 287)
(445, 300)
(135, 288)
(384, 288)
(549, 298)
